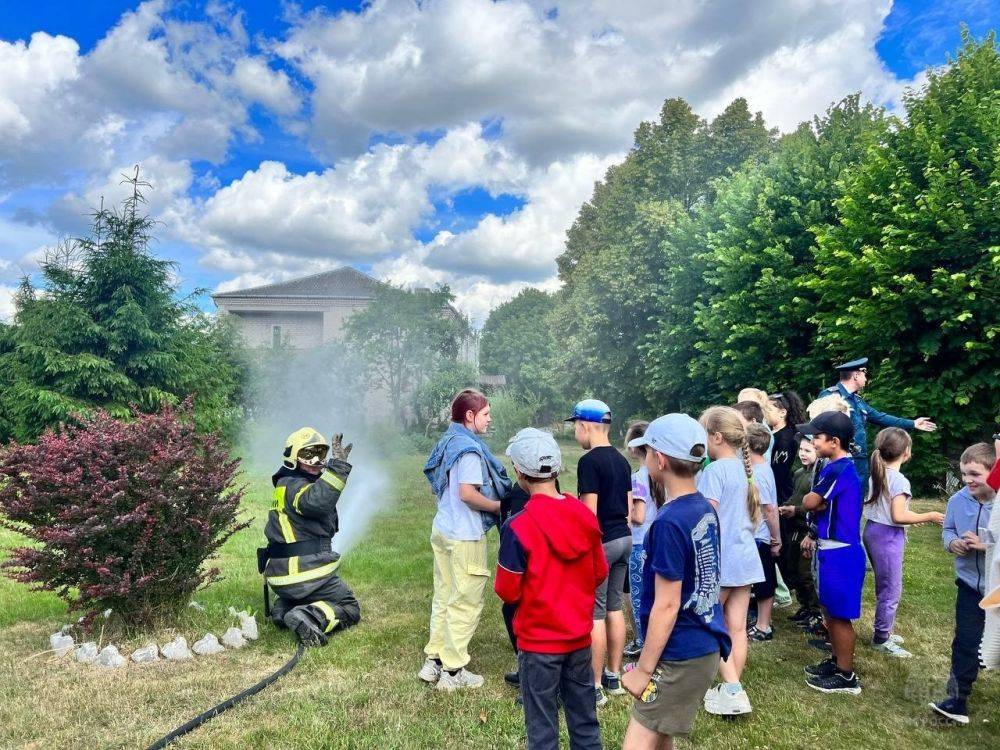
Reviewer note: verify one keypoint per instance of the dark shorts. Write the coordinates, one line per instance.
(765, 589)
(609, 595)
(840, 579)
(680, 690)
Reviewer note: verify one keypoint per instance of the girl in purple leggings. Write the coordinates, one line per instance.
(887, 513)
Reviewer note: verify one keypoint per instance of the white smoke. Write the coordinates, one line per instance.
(322, 388)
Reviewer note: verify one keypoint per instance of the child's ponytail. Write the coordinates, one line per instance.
(753, 492)
(879, 480)
(890, 444)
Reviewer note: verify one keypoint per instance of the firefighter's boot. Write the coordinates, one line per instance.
(307, 630)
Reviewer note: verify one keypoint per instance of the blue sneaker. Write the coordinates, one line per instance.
(952, 709)
(612, 683)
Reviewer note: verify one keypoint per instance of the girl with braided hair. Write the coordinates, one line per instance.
(728, 484)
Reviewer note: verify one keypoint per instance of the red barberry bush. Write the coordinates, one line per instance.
(124, 514)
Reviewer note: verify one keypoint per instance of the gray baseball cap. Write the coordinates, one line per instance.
(675, 435)
(535, 453)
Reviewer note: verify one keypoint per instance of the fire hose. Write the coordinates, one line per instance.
(211, 713)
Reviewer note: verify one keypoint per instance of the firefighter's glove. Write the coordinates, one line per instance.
(339, 451)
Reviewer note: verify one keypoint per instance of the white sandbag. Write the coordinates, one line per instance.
(233, 638)
(177, 650)
(208, 646)
(248, 623)
(86, 653)
(149, 652)
(61, 644)
(110, 658)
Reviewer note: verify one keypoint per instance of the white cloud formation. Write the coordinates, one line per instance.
(259, 83)
(179, 90)
(524, 244)
(561, 86)
(578, 80)
(360, 209)
(7, 302)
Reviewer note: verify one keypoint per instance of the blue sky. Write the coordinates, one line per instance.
(446, 142)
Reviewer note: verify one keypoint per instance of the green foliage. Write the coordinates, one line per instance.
(714, 258)
(759, 259)
(511, 411)
(517, 343)
(915, 251)
(629, 245)
(431, 400)
(402, 336)
(109, 333)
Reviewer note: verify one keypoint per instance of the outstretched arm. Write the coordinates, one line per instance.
(883, 419)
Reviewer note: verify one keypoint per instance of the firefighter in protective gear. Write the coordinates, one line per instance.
(301, 565)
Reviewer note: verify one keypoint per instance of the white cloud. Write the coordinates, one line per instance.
(177, 89)
(360, 209)
(563, 92)
(577, 82)
(801, 79)
(31, 72)
(259, 83)
(7, 302)
(524, 244)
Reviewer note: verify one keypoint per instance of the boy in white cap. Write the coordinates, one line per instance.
(685, 630)
(550, 562)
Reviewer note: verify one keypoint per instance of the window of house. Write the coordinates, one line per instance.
(275, 337)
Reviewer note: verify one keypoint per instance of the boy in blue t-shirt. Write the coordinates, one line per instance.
(837, 500)
(684, 631)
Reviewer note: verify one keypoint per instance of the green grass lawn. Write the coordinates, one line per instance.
(361, 690)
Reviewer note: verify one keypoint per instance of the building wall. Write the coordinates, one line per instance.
(296, 329)
(302, 322)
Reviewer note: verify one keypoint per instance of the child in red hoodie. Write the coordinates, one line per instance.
(551, 561)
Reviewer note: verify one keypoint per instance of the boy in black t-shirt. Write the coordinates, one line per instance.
(604, 484)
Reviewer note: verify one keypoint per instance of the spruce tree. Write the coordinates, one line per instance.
(109, 332)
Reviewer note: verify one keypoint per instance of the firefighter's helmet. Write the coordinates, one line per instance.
(299, 441)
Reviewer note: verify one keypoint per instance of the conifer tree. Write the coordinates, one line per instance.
(109, 332)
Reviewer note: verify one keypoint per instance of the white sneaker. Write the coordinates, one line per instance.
(710, 698)
(430, 672)
(463, 678)
(896, 638)
(892, 648)
(723, 703)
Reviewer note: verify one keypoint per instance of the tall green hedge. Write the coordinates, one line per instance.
(716, 257)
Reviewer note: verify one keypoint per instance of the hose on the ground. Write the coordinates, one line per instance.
(211, 713)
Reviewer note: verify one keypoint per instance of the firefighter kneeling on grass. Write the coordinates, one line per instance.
(299, 563)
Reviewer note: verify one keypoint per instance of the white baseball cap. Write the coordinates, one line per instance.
(675, 435)
(535, 453)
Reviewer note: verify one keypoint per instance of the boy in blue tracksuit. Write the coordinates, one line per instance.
(968, 512)
(836, 500)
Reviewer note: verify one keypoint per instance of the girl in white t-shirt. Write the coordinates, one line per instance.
(728, 484)
(887, 513)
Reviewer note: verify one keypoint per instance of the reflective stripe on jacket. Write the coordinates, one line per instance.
(304, 507)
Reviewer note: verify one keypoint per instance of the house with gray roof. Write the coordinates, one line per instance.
(305, 311)
(299, 312)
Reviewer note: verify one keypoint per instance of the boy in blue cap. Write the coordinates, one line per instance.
(604, 484)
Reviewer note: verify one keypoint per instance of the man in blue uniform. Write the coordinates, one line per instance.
(854, 377)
